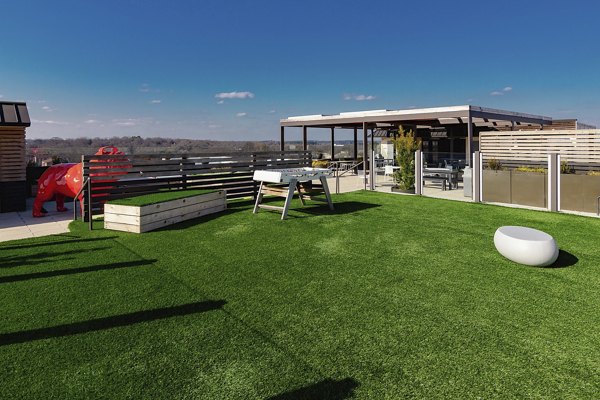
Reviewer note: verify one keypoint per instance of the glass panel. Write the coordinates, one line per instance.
(579, 187)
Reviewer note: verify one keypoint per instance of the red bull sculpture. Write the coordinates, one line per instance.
(65, 180)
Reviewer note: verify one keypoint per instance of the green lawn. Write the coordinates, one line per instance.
(154, 198)
(389, 296)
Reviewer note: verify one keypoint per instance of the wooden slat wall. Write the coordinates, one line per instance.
(556, 125)
(142, 174)
(579, 148)
(12, 154)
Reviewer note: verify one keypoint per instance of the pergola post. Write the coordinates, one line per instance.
(304, 138)
(469, 151)
(355, 143)
(372, 140)
(332, 143)
(282, 139)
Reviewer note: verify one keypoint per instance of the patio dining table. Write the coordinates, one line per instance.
(450, 174)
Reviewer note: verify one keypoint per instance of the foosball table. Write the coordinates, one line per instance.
(273, 181)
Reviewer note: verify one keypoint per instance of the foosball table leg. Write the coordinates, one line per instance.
(300, 195)
(259, 197)
(323, 180)
(289, 197)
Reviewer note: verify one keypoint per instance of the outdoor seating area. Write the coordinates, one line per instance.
(229, 300)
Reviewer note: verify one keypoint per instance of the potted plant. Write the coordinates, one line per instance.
(405, 145)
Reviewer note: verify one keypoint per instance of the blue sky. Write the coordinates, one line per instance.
(231, 69)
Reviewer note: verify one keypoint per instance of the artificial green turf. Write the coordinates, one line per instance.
(160, 197)
(388, 296)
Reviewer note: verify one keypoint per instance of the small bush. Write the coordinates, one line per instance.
(539, 170)
(593, 173)
(405, 145)
(494, 165)
(565, 168)
(320, 163)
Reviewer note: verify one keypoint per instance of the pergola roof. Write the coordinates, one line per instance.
(422, 117)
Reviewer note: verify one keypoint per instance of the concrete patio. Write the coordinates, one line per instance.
(21, 225)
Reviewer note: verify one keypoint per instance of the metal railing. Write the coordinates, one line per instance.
(352, 167)
(87, 185)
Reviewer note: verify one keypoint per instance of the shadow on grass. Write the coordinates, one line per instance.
(41, 258)
(71, 271)
(99, 324)
(327, 389)
(344, 207)
(564, 260)
(51, 243)
(202, 219)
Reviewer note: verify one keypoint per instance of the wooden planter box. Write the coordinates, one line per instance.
(579, 192)
(147, 217)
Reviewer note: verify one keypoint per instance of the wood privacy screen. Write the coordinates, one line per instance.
(12, 154)
(118, 176)
(579, 148)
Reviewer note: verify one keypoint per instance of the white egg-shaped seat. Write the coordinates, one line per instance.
(526, 245)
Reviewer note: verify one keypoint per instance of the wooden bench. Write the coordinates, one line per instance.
(145, 213)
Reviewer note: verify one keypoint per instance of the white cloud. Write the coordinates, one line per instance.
(358, 97)
(49, 122)
(502, 92)
(91, 121)
(220, 101)
(156, 101)
(271, 111)
(214, 126)
(1, 96)
(144, 88)
(234, 95)
(241, 114)
(46, 108)
(129, 122)
(126, 122)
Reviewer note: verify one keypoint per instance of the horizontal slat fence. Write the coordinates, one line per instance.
(12, 154)
(579, 148)
(119, 176)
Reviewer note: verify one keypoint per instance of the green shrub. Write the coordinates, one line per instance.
(539, 170)
(593, 173)
(320, 163)
(406, 144)
(494, 165)
(565, 168)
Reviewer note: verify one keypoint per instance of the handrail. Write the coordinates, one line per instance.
(351, 168)
(87, 184)
(83, 186)
(598, 206)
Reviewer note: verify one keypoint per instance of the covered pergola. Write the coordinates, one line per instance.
(475, 118)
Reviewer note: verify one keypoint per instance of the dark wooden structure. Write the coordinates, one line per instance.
(133, 175)
(14, 119)
(464, 122)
